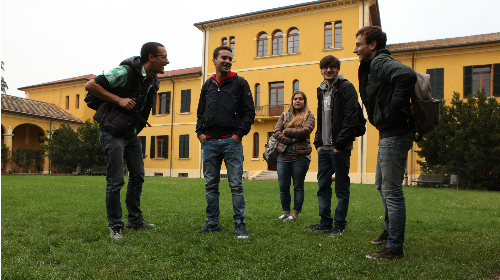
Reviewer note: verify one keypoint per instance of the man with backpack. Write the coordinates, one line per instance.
(337, 115)
(386, 87)
(225, 114)
(124, 100)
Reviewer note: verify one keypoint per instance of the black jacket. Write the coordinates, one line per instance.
(344, 115)
(135, 87)
(386, 86)
(226, 110)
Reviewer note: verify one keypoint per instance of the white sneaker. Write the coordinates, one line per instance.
(284, 217)
(291, 218)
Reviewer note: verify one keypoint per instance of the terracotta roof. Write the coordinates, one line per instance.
(446, 43)
(79, 78)
(181, 72)
(35, 108)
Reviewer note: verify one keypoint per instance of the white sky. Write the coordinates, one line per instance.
(48, 40)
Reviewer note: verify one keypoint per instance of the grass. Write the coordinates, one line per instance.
(55, 227)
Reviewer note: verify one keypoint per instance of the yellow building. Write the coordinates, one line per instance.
(278, 51)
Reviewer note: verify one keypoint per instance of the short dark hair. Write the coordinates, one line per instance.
(373, 33)
(216, 51)
(329, 60)
(149, 48)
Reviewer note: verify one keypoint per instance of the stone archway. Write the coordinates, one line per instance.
(28, 136)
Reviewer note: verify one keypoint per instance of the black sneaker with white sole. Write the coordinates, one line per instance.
(209, 228)
(115, 231)
(336, 231)
(239, 229)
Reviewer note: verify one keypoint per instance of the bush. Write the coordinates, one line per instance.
(5, 156)
(465, 142)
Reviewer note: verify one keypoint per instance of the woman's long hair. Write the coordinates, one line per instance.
(298, 117)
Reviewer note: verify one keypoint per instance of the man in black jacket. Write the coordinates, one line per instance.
(386, 86)
(225, 114)
(337, 115)
(127, 91)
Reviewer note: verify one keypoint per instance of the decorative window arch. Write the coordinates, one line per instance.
(293, 40)
(277, 42)
(262, 44)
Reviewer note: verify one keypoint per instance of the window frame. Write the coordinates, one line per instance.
(291, 40)
(223, 41)
(295, 82)
(263, 48)
(184, 146)
(334, 34)
(325, 30)
(185, 101)
(232, 44)
(277, 41)
(255, 145)
(257, 95)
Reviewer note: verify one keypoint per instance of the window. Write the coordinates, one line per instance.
(77, 102)
(276, 98)
(338, 34)
(67, 102)
(256, 145)
(164, 103)
(257, 95)
(232, 42)
(185, 101)
(184, 146)
(224, 42)
(295, 86)
(277, 43)
(478, 77)
(262, 45)
(161, 145)
(293, 40)
(437, 82)
(328, 35)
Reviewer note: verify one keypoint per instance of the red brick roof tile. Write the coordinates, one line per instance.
(446, 43)
(180, 72)
(79, 78)
(35, 108)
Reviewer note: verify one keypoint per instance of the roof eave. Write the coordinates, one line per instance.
(38, 116)
(444, 47)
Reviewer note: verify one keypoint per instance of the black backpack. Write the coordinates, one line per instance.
(360, 128)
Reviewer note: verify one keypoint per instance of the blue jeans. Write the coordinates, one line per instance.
(330, 162)
(231, 151)
(391, 163)
(295, 170)
(116, 149)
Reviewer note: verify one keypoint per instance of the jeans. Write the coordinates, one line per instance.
(295, 170)
(391, 163)
(330, 162)
(116, 149)
(231, 151)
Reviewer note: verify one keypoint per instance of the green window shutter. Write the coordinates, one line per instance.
(167, 103)
(496, 79)
(184, 146)
(153, 109)
(467, 81)
(165, 146)
(152, 148)
(143, 144)
(432, 73)
(439, 83)
(188, 100)
(183, 100)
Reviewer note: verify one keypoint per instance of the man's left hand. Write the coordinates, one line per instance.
(236, 138)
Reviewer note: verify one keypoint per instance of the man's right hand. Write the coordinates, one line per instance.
(317, 150)
(127, 103)
(202, 138)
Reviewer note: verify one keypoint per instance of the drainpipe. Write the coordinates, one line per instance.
(411, 155)
(50, 128)
(203, 80)
(172, 125)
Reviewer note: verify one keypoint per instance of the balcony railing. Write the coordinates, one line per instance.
(270, 110)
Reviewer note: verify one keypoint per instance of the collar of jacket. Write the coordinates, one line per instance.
(229, 76)
(324, 84)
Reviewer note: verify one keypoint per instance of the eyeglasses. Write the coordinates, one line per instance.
(162, 55)
(332, 67)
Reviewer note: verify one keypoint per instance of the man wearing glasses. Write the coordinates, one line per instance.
(127, 92)
(337, 116)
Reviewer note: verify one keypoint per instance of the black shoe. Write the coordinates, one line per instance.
(336, 231)
(239, 229)
(209, 228)
(318, 227)
(382, 238)
(386, 254)
(141, 224)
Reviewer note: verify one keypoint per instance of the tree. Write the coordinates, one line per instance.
(4, 83)
(465, 142)
(68, 148)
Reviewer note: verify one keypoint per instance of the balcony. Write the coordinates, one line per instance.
(269, 112)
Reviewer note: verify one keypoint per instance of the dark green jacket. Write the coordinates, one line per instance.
(386, 86)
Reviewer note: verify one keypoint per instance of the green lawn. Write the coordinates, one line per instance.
(55, 227)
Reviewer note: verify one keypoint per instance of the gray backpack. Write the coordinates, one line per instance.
(427, 108)
(271, 151)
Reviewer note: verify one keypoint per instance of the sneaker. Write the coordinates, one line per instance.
(239, 230)
(209, 228)
(141, 224)
(336, 231)
(386, 254)
(318, 227)
(382, 238)
(283, 217)
(290, 218)
(115, 231)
